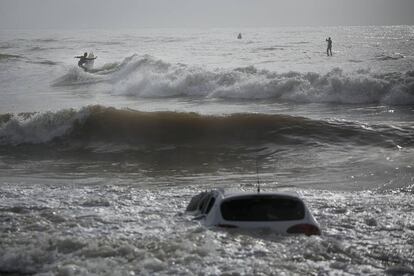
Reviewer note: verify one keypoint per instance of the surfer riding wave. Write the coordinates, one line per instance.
(84, 59)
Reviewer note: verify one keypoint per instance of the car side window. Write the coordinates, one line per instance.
(210, 204)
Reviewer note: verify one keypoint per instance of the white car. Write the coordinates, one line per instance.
(282, 212)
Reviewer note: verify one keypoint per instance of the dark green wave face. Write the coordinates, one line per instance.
(109, 125)
(105, 140)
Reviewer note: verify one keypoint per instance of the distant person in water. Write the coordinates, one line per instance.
(239, 36)
(329, 49)
(83, 59)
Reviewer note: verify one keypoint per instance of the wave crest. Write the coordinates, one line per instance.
(148, 77)
(97, 124)
(145, 76)
(37, 128)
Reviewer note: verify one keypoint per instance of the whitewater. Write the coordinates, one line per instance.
(97, 167)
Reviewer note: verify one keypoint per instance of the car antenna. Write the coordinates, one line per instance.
(257, 174)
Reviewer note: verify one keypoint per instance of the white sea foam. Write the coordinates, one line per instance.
(77, 76)
(144, 231)
(149, 77)
(39, 127)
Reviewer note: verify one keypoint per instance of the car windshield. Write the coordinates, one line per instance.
(262, 208)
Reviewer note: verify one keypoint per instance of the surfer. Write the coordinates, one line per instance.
(329, 49)
(83, 59)
(239, 36)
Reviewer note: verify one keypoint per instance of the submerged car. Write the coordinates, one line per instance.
(281, 212)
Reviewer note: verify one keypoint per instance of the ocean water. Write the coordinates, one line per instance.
(96, 168)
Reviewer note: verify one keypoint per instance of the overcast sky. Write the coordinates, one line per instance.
(202, 13)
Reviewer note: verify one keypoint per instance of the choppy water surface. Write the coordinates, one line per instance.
(96, 168)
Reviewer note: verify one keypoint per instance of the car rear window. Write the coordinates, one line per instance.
(262, 208)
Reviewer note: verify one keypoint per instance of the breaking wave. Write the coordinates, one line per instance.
(77, 76)
(148, 77)
(145, 76)
(97, 124)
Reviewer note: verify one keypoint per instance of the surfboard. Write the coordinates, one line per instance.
(89, 64)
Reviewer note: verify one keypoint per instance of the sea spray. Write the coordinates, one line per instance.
(145, 76)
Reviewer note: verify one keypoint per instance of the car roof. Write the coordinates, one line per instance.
(233, 194)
